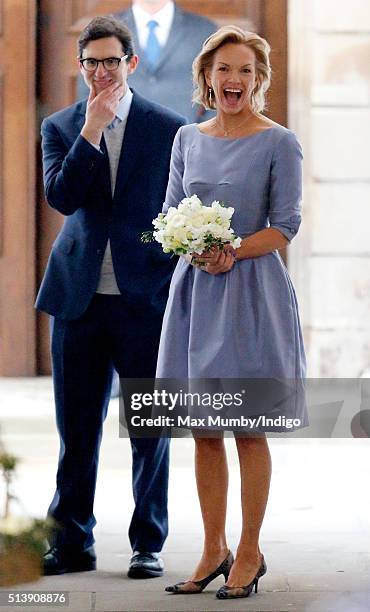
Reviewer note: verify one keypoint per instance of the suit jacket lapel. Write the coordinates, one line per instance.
(128, 17)
(131, 24)
(133, 142)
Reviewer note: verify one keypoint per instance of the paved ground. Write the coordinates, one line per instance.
(316, 535)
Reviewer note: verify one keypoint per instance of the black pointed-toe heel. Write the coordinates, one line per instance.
(226, 592)
(200, 585)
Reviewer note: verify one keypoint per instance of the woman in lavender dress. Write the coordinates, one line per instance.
(236, 315)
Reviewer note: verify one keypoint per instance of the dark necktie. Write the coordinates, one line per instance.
(116, 121)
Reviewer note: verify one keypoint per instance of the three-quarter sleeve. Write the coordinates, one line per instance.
(286, 186)
(175, 190)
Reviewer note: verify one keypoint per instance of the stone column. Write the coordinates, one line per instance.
(329, 110)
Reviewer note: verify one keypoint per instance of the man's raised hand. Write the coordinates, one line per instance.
(100, 111)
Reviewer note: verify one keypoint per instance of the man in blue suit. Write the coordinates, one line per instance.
(167, 39)
(106, 164)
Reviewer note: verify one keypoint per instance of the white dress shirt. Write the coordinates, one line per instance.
(124, 105)
(164, 18)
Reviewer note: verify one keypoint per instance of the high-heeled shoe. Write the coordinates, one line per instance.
(200, 585)
(226, 592)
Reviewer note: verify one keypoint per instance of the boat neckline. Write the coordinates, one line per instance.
(274, 127)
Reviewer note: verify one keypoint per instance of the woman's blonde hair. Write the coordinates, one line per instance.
(232, 34)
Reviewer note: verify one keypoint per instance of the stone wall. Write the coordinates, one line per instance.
(329, 109)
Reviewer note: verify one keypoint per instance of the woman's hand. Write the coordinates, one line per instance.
(216, 261)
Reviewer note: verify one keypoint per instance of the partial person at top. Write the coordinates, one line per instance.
(166, 38)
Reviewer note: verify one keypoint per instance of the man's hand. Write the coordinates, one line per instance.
(217, 261)
(100, 111)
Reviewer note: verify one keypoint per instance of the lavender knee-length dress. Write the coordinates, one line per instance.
(243, 323)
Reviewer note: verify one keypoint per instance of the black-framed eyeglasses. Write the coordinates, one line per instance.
(110, 63)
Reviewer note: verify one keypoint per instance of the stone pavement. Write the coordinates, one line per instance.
(315, 537)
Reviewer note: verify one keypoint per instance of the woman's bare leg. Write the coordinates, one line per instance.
(255, 472)
(212, 482)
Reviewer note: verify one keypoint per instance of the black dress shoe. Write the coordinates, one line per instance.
(59, 561)
(145, 565)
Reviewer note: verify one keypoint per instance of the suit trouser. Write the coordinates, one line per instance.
(109, 334)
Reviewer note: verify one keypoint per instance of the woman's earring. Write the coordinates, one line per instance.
(210, 96)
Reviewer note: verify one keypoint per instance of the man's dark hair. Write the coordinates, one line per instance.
(104, 27)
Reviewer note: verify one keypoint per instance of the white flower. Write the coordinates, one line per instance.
(176, 221)
(192, 226)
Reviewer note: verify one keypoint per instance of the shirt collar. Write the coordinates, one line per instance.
(124, 105)
(163, 17)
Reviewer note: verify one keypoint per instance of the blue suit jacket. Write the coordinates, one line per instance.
(77, 184)
(170, 82)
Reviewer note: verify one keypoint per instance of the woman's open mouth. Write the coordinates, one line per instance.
(232, 95)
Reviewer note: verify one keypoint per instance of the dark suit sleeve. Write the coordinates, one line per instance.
(68, 174)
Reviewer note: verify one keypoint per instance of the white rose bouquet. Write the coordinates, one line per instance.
(193, 227)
